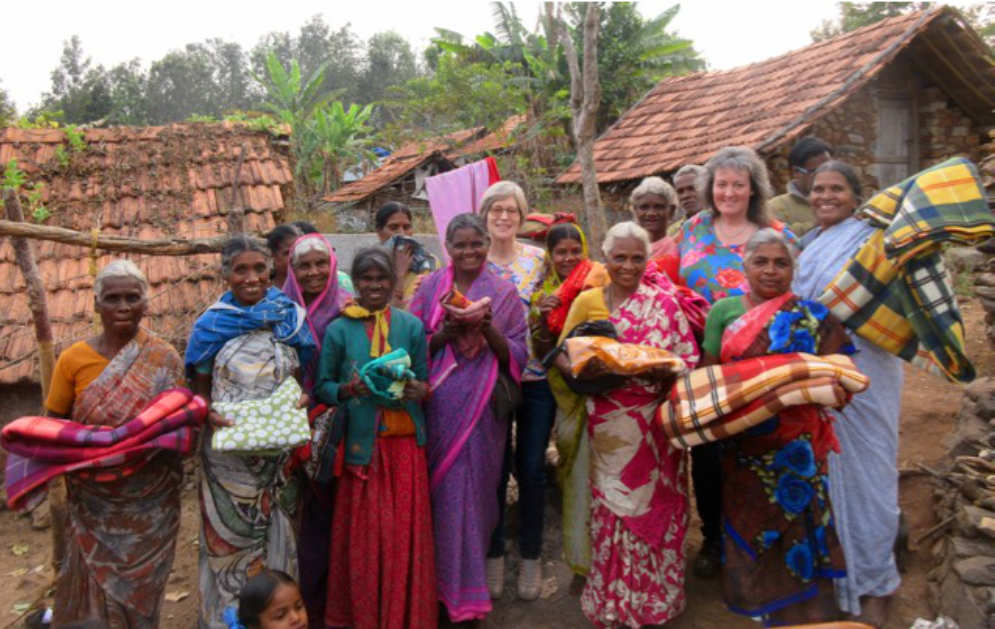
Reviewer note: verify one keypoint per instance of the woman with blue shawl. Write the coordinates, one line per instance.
(242, 348)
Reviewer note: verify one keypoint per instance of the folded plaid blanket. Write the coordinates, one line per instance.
(716, 402)
(41, 448)
(896, 292)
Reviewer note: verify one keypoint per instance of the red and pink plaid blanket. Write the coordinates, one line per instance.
(41, 448)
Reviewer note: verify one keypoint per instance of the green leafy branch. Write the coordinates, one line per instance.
(14, 179)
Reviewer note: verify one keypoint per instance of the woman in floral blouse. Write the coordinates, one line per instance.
(711, 263)
(503, 209)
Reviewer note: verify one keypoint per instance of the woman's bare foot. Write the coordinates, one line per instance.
(874, 610)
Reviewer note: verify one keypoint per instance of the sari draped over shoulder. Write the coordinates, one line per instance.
(323, 308)
(864, 475)
(466, 438)
(316, 498)
(780, 542)
(570, 428)
(639, 509)
(123, 532)
(248, 503)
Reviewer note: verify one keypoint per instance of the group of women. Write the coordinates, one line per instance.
(415, 512)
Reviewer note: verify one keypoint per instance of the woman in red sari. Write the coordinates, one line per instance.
(780, 545)
(381, 571)
(639, 511)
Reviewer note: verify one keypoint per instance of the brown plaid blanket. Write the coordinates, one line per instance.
(716, 402)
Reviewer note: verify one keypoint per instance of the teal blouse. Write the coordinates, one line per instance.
(346, 348)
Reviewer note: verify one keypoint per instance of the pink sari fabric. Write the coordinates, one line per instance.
(638, 481)
(742, 332)
(664, 247)
(323, 308)
(466, 441)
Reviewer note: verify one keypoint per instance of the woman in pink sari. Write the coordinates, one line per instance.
(477, 352)
(313, 282)
(639, 512)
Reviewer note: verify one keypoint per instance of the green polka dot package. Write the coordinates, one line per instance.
(270, 425)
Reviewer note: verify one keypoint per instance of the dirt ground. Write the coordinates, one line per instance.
(929, 406)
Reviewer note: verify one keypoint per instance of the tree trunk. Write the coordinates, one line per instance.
(38, 305)
(585, 96)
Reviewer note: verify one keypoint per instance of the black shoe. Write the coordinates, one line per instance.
(902, 544)
(36, 620)
(708, 563)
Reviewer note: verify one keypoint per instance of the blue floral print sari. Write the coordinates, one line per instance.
(780, 545)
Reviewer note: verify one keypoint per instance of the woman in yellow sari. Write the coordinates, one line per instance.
(568, 272)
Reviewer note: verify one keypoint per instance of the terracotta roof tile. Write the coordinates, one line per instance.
(764, 105)
(412, 155)
(140, 182)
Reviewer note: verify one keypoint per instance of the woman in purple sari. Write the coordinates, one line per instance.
(477, 329)
(312, 282)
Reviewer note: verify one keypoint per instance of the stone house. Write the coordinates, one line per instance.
(890, 98)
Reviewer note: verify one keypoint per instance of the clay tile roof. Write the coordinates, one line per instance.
(414, 154)
(764, 105)
(139, 182)
(500, 138)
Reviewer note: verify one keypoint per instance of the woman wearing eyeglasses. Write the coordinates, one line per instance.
(503, 209)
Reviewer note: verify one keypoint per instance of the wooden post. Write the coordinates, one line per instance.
(236, 208)
(38, 304)
(105, 242)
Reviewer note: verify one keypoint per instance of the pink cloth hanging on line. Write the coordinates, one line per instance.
(458, 191)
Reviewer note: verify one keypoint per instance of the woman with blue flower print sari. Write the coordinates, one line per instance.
(242, 348)
(780, 546)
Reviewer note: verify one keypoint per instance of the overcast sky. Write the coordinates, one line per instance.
(728, 33)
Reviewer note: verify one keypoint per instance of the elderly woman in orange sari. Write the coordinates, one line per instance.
(639, 510)
(780, 545)
(568, 272)
(121, 534)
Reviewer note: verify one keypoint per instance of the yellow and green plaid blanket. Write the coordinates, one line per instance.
(896, 292)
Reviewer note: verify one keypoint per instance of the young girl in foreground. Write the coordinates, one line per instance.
(270, 600)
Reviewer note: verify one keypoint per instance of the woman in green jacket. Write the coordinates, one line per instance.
(382, 563)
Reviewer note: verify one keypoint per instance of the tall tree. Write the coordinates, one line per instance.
(130, 103)
(181, 84)
(315, 45)
(80, 90)
(8, 113)
(634, 54)
(585, 95)
(389, 62)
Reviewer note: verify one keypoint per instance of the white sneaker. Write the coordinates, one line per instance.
(529, 579)
(495, 576)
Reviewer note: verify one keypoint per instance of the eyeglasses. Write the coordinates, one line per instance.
(804, 171)
(503, 212)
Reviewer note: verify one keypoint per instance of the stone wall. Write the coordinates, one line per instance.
(851, 129)
(962, 585)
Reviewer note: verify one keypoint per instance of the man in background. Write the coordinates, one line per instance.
(792, 207)
(688, 181)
